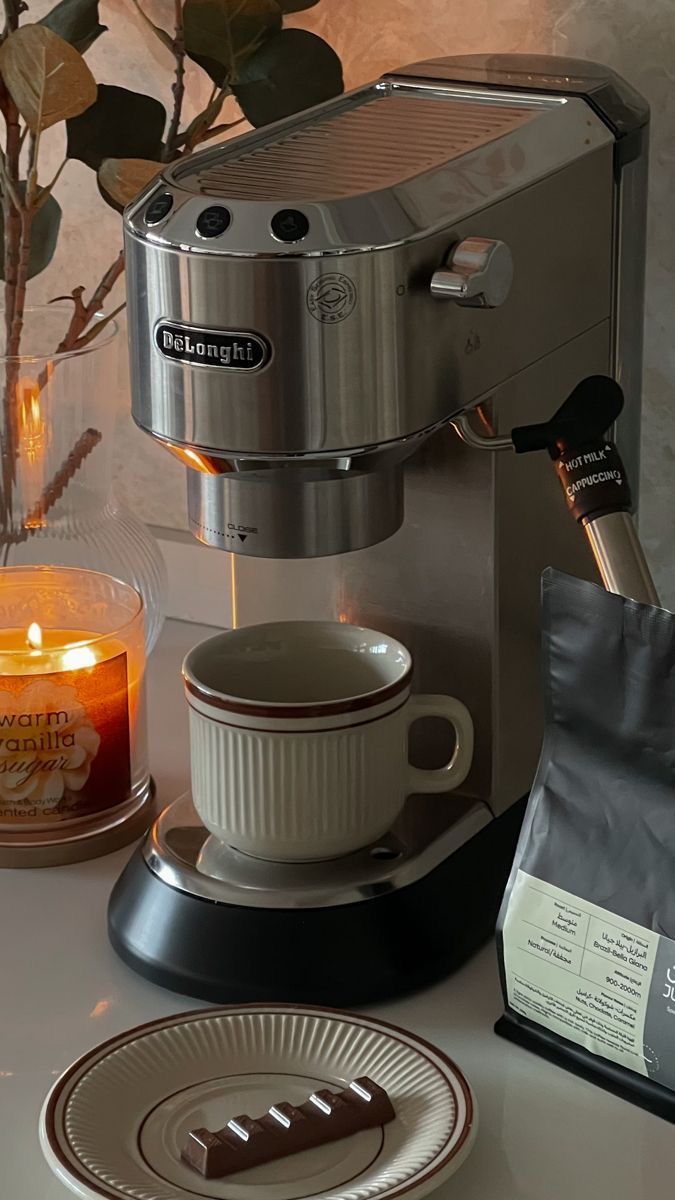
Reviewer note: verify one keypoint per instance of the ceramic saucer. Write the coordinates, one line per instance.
(114, 1123)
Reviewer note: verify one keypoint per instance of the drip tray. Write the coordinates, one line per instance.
(297, 933)
(181, 852)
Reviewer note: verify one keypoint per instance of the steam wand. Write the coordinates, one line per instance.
(592, 476)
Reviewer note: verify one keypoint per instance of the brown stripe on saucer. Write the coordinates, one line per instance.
(327, 708)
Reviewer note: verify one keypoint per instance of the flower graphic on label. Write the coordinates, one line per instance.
(47, 742)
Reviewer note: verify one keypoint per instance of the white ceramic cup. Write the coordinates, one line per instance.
(299, 737)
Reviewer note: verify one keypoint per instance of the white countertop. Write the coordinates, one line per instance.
(544, 1135)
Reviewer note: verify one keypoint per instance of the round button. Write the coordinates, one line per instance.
(289, 225)
(213, 221)
(158, 209)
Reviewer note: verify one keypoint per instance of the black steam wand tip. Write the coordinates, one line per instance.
(587, 414)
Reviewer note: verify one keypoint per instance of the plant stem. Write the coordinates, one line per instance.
(195, 131)
(83, 313)
(35, 517)
(13, 9)
(81, 317)
(12, 243)
(54, 490)
(26, 222)
(215, 131)
(11, 214)
(178, 88)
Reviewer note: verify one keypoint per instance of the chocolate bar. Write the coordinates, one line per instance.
(284, 1129)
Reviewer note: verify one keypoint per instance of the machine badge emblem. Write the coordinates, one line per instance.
(232, 350)
(331, 298)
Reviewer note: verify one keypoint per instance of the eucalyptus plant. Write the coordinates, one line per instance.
(125, 136)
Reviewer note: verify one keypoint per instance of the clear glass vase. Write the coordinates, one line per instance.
(56, 430)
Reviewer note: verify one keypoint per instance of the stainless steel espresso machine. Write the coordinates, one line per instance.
(374, 291)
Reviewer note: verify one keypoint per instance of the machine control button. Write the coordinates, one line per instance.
(289, 225)
(213, 221)
(158, 209)
(478, 273)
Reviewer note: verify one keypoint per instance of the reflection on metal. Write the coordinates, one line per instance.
(309, 448)
(620, 557)
(101, 1008)
(478, 274)
(180, 851)
(386, 134)
(295, 512)
(478, 441)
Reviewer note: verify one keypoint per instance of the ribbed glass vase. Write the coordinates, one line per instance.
(57, 504)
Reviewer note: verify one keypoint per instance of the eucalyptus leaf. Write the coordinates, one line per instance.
(76, 21)
(46, 77)
(291, 71)
(221, 34)
(43, 235)
(120, 124)
(121, 179)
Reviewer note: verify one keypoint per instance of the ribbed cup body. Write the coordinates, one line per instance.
(308, 793)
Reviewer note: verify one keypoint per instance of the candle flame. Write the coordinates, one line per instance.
(78, 658)
(34, 636)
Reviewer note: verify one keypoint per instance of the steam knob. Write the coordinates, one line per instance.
(477, 274)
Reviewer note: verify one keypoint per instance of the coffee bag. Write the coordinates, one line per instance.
(587, 928)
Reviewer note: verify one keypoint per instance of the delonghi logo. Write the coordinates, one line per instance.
(331, 298)
(236, 351)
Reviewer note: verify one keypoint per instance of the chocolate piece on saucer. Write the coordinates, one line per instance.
(325, 1117)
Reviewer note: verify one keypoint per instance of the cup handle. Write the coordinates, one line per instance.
(442, 779)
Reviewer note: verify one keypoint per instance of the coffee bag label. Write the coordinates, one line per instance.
(591, 977)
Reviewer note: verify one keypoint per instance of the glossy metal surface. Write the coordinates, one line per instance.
(478, 273)
(372, 139)
(459, 581)
(399, 362)
(295, 511)
(181, 853)
(465, 429)
(620, 558)
(550, 133)
(628, 292)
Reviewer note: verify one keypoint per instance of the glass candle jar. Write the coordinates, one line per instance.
(74, 777)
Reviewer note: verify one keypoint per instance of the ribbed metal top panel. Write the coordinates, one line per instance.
(389, 137)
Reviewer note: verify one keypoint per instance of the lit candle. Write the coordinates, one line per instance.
(72, 737)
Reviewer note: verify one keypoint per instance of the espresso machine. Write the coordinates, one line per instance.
(334, 323)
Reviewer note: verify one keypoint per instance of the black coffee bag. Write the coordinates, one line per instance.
(586, 933)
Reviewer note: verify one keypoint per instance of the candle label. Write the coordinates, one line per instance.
(64, 743)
